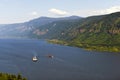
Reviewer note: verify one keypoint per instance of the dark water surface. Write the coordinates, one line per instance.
(69, 63)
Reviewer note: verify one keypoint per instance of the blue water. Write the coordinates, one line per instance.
(69, 63)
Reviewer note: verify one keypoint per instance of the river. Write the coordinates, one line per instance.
(69, 63)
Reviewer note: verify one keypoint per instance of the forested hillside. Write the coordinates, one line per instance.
(95, 32)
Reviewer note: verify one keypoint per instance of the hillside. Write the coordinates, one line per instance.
(99, 34)
(23, 30)
(95, 32)
(6, 76)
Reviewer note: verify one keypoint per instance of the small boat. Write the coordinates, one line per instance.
(50, 56)
(34, 59)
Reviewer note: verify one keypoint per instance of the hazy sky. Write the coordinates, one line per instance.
(14, 11)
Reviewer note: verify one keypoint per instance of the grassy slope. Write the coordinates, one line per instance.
(5, 76)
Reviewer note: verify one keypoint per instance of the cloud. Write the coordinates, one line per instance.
(85, 13)
(110, 10)
(34, 13)
(58, 12)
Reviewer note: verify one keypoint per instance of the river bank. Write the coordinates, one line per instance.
(104, 48)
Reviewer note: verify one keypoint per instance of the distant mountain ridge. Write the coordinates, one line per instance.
(109, 23)
(23, 29)
(94, 32)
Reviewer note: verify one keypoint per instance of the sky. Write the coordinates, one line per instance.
(17, 11)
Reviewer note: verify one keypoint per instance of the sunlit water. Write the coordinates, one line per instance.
(69, 63)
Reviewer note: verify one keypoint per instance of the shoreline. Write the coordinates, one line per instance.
(86, 46)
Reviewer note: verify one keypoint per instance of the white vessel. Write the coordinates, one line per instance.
(34, 59)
